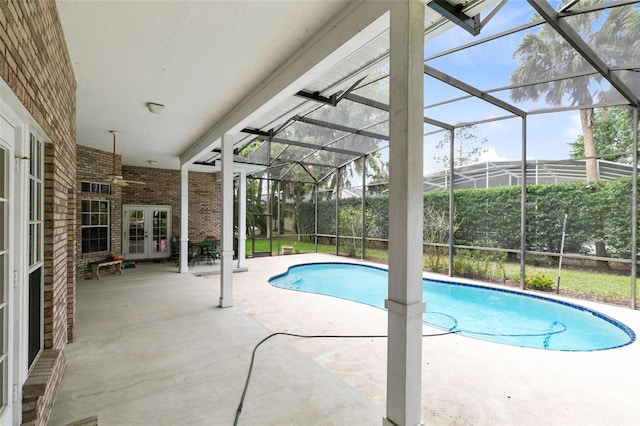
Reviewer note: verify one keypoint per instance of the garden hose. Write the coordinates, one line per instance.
(328, 336)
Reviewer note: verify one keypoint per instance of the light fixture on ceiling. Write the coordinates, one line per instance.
(152, 162)
(154, 107)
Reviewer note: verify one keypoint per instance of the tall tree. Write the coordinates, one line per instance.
(544, 55)
(468, 147)
(612, 130)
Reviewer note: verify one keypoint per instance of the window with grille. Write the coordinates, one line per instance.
(36, 247)
(95, 226)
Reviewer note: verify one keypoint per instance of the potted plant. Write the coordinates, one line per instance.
(287, 249)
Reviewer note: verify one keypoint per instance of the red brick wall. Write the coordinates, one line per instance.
(34, 62)
(163, 187)
(93, 165)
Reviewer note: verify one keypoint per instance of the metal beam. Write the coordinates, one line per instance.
(384, 107)
(317, 97)
(257, 132)
(445, 78)
(493, 13)
(477, 42)
(336, 126)
(471, 24)
(316, 147)
(573, 38)
(568, 6)
(595, 7)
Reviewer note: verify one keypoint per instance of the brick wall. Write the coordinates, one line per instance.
(93, 165)
(163, 187)
(35, 63)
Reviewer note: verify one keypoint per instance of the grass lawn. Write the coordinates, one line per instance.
(606, 286)
(587, 284)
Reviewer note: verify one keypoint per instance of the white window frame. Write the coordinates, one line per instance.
(6, 261)
(106, 226)
(16, 126)
(35, 245)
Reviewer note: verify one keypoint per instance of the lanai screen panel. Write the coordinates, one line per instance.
(350, 210)
(295, 153)
(612, 33)
(631, 78)
(309, 133)
(351, 114)
(377, 198)
(329, 158)
(359, 143)
(376, 85)
(487, 62)
(327, 203)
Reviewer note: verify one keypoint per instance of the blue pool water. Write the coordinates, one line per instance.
(501, 316)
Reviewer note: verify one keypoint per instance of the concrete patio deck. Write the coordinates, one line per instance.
(152, 348)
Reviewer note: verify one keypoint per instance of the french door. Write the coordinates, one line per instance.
(146, 231)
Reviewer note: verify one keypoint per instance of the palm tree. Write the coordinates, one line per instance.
(546, 56)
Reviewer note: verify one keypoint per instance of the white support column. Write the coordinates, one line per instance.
(242, 218)
(226, 260)
(405, 305)
(184, 218)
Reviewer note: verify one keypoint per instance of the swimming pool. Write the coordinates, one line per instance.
(497, 315)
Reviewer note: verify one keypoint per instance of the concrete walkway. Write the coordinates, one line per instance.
(152, 349)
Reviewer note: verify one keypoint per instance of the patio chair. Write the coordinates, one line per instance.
(211, 251)
(194, 253)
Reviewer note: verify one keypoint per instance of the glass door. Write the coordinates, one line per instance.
(146, 231)
(135, 232)
(160, 232)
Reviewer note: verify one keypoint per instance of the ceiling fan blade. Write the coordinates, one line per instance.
(134, 182)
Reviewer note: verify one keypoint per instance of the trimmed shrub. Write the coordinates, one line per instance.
(539, 282)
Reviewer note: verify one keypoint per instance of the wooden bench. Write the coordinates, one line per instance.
(95, 266)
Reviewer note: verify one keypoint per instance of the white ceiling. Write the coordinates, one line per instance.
(199, 58)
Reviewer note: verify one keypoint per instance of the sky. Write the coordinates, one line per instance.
(488, 66)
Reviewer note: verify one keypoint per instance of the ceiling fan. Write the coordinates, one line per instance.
(115, 179)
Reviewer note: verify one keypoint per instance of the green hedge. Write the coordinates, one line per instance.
(597, 212)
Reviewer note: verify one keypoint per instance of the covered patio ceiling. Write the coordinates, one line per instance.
(343, 115)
